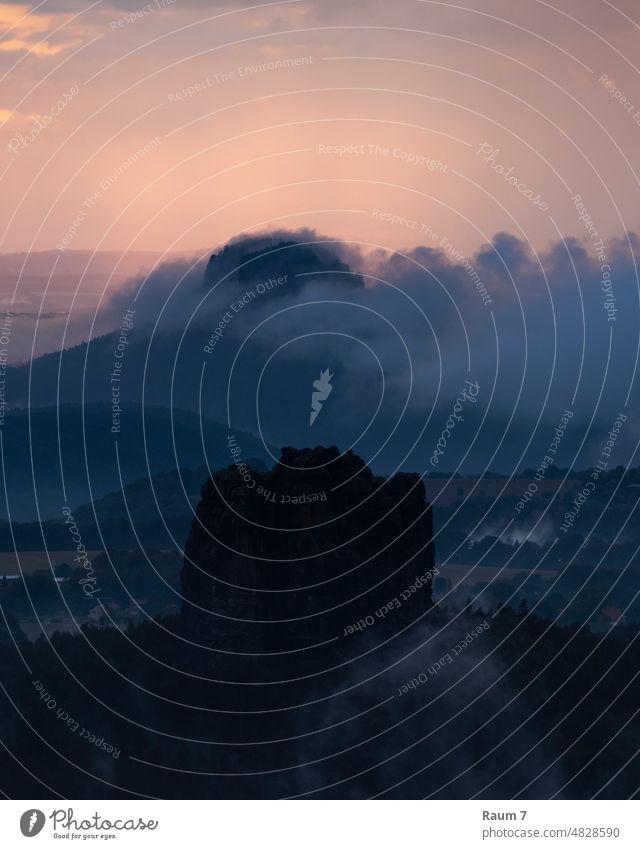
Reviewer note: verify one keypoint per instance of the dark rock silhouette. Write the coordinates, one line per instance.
(311, 551)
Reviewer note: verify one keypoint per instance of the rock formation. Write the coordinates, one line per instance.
(316, 549)
(258, 258)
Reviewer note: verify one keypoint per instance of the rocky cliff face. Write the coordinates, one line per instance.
(313, 551)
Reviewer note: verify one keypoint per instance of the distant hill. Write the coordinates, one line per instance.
(69, 456)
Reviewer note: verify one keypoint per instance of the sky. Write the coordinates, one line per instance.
(176, 126)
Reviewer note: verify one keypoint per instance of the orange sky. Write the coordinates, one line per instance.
(178, 125)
